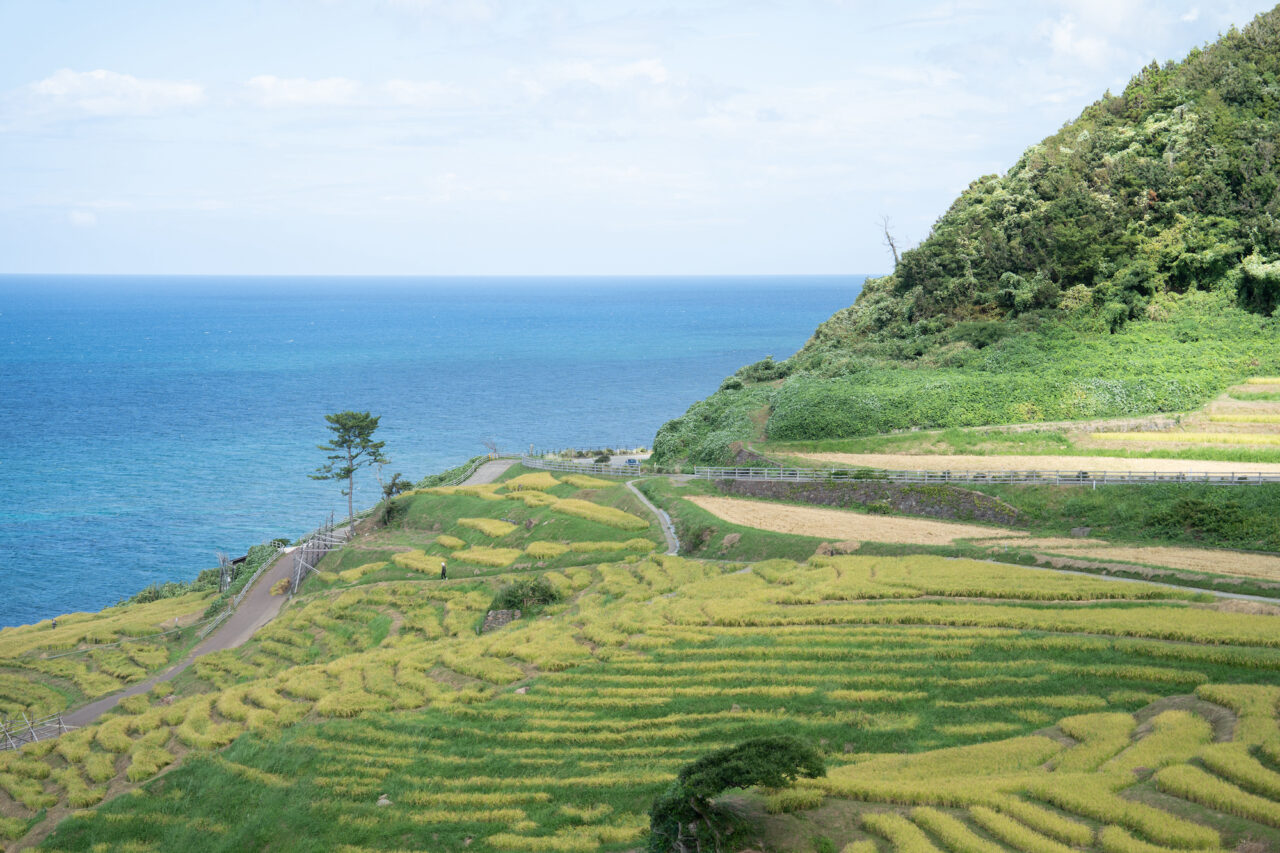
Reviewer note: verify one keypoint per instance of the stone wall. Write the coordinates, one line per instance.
(495, 619)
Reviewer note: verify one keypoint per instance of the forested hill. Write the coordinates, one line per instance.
(1130, 263)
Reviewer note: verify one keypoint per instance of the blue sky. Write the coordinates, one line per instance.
(445, 137)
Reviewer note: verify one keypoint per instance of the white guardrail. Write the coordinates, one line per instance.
(1043, 478)
(606, 469)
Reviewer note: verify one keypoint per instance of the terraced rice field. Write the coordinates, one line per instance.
(45, 669)
(960, 705)
(1247, 415)
(383, 692)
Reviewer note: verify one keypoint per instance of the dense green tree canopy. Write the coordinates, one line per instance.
(1169, 186)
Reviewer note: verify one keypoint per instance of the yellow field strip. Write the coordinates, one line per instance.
(1092, 464)
(1234, 563)
(1244, 419)
(1197, 438)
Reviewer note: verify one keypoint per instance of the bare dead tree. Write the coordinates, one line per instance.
(491, 445)
(888, 239)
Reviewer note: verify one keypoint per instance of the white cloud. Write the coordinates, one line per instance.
(610, 76)
(111, 93)
(82, 218)
(454, 10)
(1069, 42)
(270, 91)
(1192, 15)
(424, 93)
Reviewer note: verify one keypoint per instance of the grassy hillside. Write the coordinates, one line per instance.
(1128, 264)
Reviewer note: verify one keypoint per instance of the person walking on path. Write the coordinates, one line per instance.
(444, 572)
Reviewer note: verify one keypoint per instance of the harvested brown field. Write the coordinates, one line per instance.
(1219, 562)
(1046, 542)
(843, 524)
(940, 462)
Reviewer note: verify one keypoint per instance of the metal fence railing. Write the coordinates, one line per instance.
(14, 734)
(1043, 478)
(608, 469)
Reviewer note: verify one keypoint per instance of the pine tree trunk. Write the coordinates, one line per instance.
(351, 490)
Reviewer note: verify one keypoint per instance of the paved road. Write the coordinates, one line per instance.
(257, 608)
(489, 471)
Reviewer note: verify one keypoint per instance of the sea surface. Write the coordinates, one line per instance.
(148, 423)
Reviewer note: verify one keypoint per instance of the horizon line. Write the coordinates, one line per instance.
(431, 275)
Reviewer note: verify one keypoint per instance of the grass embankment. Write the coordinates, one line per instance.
(1056, 372)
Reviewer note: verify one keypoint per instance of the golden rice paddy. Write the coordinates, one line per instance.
(1092, 464)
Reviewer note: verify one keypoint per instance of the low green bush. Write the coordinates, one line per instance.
(525, 594)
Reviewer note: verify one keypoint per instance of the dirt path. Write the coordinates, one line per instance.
(257, 609)
(941, 462)
(843, 524)
(664, 520)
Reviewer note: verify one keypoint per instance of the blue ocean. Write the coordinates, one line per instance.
(148, 423)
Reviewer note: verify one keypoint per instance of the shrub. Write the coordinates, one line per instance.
(764, 370)
(525, 594)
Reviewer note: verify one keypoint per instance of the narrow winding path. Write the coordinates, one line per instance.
(668, 529)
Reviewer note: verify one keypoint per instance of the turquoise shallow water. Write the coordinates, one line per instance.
(146, 424)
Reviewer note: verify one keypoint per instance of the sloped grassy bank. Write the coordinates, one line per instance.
(1059, 371)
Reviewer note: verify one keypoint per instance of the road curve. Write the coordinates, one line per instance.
(257, 608)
